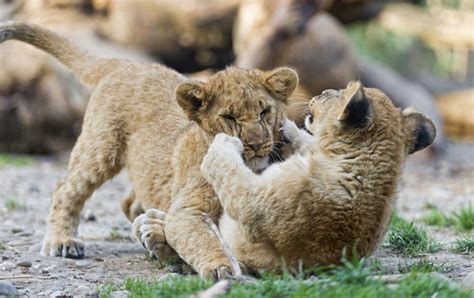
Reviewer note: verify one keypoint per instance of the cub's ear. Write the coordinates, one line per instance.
(357, 110)
(192, 98)
(420, 130)
(281, 82)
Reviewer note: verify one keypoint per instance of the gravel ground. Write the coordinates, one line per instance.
(112, 255)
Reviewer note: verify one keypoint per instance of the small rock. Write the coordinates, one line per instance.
(83, 263)
(58, 294)
(84, 291)
(468, 281)
(26, 264)
(7, 289)
(119, 294)
(48, 269)
(16, 230)
(4, 258)
(98, 259)
(167, 276)
(89, 215)
(7, 266)
(25, 234)
(176, 268)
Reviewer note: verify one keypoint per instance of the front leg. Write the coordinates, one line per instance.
(255, 201)
(300, 139)
(224, 168)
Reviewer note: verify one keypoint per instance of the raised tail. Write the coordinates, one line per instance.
(87, 68)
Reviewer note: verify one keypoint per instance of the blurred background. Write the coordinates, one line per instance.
(420, 52)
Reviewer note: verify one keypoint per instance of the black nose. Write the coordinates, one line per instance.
(255, 147)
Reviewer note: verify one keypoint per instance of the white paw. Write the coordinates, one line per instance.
(223, 142)
(149, 229)
(290, 130)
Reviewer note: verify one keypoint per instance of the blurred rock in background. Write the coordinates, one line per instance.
(413, 52)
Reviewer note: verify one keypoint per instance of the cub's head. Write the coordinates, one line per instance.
(247, 104)
(363, 117)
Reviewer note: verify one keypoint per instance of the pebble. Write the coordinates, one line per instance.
(58, 294)
(89, 215)
(25, 234)
(7, 289)
(16, 230)
(83, 263)
(468, 281)
(84, 291)
(174, 268)
(26, 264)
(119, 294)
(168, 276)
(7, 266)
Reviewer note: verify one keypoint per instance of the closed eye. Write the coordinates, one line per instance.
(229, 117)
(265, 112)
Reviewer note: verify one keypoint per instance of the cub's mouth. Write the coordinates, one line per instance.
(258, 164)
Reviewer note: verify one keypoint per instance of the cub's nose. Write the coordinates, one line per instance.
(256, 147)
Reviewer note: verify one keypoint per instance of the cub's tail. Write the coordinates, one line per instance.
(87, 68)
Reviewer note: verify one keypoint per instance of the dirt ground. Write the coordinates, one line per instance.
(112, 254)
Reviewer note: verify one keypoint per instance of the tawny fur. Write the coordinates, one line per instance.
(138, 117)
(335, 194)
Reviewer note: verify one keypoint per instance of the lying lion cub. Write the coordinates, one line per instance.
(157, 124)
(337, 192)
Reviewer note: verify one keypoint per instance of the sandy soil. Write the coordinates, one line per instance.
(112, 255)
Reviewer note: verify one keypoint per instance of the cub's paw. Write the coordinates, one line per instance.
(223, 142)
(63, 247)
(216, 273)
(290, 131)
(149, 229)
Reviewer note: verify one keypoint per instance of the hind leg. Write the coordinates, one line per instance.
(131, 207)
(94, 159)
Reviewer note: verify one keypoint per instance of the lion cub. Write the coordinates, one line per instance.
(336, 193)
(158, 125)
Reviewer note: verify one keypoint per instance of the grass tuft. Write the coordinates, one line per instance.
(13, 204)
(407, 239)
(350, 280)
(424, 266)
(116, 235)
(436, 218)
(464, 218)
(464, 245)
(13, 160)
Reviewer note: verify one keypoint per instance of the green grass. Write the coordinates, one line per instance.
(349, 280)
(436, 218)
(424, 266)
(464, 218)
(13, 204)
(13, 160)
(3, 246)
(407, 239)
(464, 245)
(116, 235)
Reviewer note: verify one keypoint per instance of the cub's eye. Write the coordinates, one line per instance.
(310, 118)
(228, 117)
(265, 112)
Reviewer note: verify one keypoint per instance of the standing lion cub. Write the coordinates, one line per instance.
(336, 193)
(157, 124)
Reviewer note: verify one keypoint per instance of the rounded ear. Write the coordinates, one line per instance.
(281, 82)
(358, 108)
(192, 98)
(420, 131)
